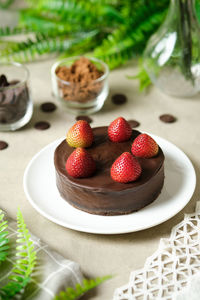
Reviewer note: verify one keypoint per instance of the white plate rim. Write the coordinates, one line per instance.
(101, 231)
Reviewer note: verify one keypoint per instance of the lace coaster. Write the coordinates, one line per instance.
(170, 268)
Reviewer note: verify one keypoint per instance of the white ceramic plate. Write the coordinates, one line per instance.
(41, 191)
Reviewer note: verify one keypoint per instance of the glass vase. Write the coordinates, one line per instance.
(172, 55)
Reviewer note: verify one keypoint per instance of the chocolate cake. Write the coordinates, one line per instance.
(100, 194)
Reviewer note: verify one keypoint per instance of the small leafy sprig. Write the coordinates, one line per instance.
(4, 241)
(24, 264)
(80, 289)
(25, 261)
(142, 76)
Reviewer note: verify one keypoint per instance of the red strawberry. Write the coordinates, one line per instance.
(119, 130)
(125, 168)
(80, 135)
(80, 164)
(144, 146)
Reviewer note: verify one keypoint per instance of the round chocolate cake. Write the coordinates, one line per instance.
(100, 194)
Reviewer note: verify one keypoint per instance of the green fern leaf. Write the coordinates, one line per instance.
(7, 31)
(142, 76)
(35, 22)
(126, 42)
(88, 14)
(3, 237)
(80, 289)
(42, 44)
(24, 265)
(6, 4)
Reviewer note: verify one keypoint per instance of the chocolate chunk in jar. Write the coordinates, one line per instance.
(14, 100)
(3, 81)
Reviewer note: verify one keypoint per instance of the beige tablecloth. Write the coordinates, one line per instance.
(97, 255)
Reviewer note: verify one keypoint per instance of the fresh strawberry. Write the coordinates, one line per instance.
(119, 130)
(80, 135)
(80, 164)
(144, 146)
(125, 168)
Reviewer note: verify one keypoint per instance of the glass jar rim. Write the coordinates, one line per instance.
(59, 62)
(21, 82)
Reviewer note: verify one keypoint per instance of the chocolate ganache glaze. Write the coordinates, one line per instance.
(100, 194)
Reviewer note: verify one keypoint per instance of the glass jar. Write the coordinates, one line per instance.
(80, 97)
(172, 55)
(15, 103)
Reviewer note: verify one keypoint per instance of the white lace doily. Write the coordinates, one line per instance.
(169, 270)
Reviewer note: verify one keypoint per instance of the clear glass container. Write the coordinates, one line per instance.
(172, 55)
(79, 98)
(15, 102)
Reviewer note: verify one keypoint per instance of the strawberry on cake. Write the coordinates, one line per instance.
(108, 170)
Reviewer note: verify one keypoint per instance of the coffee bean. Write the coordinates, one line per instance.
(48, 107)
(85, 118)
(133, 123)
(119, 99)
(3, 145)
(42, 125)
(167, 118)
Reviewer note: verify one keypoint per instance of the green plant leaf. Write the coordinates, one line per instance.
(6, 3)
(80, 289)
(24, 264)
(61, 25)
(126, 42)
(142, 76)
(4, 241)
(42, 44)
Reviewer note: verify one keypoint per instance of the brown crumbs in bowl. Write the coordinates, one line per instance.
(78, 82)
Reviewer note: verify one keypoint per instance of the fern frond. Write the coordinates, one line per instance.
(7, 31)
(80, 289)
(42, 44)
(4, 246)
(6, 4)
(25, 262)
(35, 22)
(90, 14)
(142, 76)
(125, 42)
(84, 46)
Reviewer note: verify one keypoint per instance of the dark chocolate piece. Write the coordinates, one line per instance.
(3, 145)
(3, 81)
(2, 97)
(42, 125)
(14, 82)
(167, 118)
(14, 101)
(85, 118)
(48, 107)
(133, 123)
(119, 99)
(100, 194)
